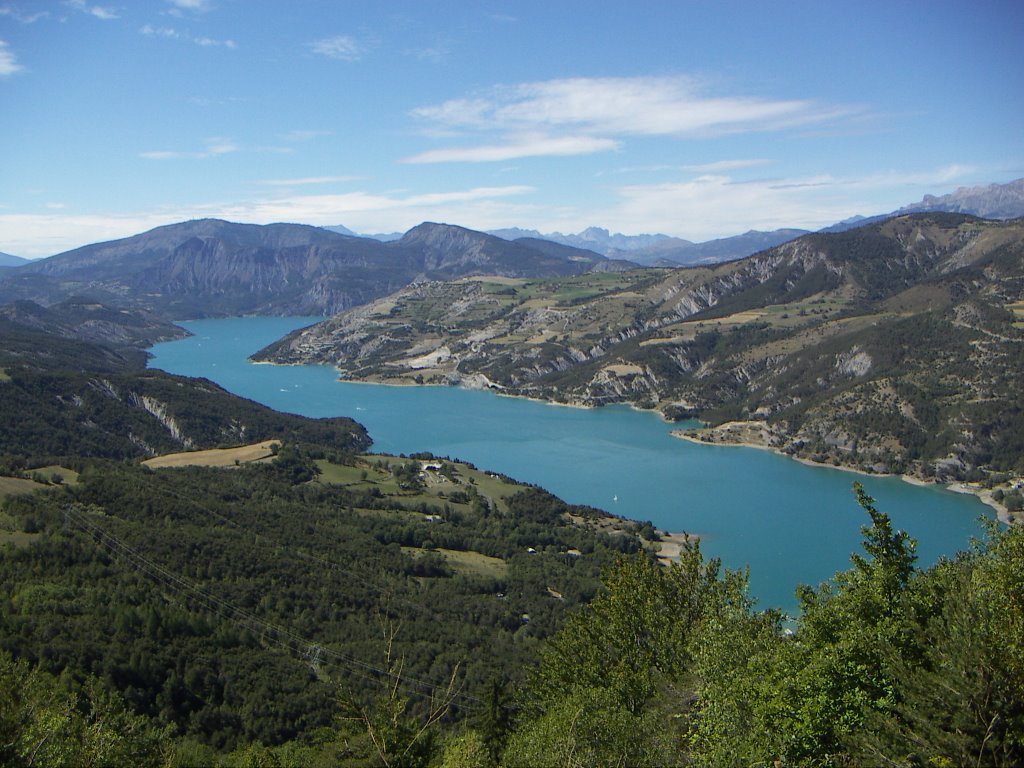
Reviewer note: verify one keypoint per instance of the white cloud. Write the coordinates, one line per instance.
(171, 33)
(532, 146)
(703, 207)
(342, 47)
(654, 106)
(150, 31)
(611, 107)
(8, 62)
(725, 165)
(98, 11)
(307, 180)
(191, 5)
(433, 53)
(208, 42)
(214, 147)
(715, 205)
(35, 235)
(24, 18)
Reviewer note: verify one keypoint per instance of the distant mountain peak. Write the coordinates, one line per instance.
(7, 260)
(992, 201)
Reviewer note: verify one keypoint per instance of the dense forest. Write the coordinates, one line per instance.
(129, 637)
(235, 605)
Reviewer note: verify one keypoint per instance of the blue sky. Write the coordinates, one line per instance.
(694, 119)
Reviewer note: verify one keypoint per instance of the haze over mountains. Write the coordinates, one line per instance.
(994, 201)
(212, 267)
(7, 260)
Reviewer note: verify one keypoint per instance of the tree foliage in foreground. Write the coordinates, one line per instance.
(886, 665)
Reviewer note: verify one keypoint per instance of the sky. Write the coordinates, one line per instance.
(693, 119)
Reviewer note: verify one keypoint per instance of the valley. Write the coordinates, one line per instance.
(884, 349)
(181, 555)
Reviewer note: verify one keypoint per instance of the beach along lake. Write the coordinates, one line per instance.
(790, 523)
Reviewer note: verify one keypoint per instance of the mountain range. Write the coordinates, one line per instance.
(994, 201)
(896, 346)
(889, 344)
(212, 267)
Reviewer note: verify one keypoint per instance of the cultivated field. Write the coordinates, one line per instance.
(215, 457)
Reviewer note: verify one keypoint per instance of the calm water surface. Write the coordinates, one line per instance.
(790, 523)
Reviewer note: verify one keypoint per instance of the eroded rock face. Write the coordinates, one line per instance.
(838, 342)
(855, 363)
(159, 411)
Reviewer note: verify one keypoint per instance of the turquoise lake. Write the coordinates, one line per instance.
(791, 523)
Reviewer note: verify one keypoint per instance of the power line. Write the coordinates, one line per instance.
(352, 575)
(291, 641)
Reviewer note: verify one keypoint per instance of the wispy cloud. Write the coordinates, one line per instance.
(171, 33)
(98, 11)
(8, 62)
(518, 147)
(702, 207)
(606, 108)
(191, 5)
(208, 42)
(716, 205)
(433, 53)
(45, 234)
(308, 180)
(24, 18)
(215, 147)
(150, 31)
(341, 47)
(722, 166)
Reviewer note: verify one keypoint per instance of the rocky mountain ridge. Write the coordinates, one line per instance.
(893, 347)
(212, 267)
(993, 201)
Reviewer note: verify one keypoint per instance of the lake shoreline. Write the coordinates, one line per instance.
(615, 459)
(739, 434)
(756, 435)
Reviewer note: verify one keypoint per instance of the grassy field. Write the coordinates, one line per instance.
(12, 486)
(792, 315)
(67, 476)
(17, 538)
(441, 486)
(435, 487)
(467, 563)
(215, 457)
(4, 376)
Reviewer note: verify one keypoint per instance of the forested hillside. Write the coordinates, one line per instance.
(284, 630)
(200, 606)
(66, 399)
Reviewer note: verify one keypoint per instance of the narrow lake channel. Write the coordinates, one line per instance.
(790, 523)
